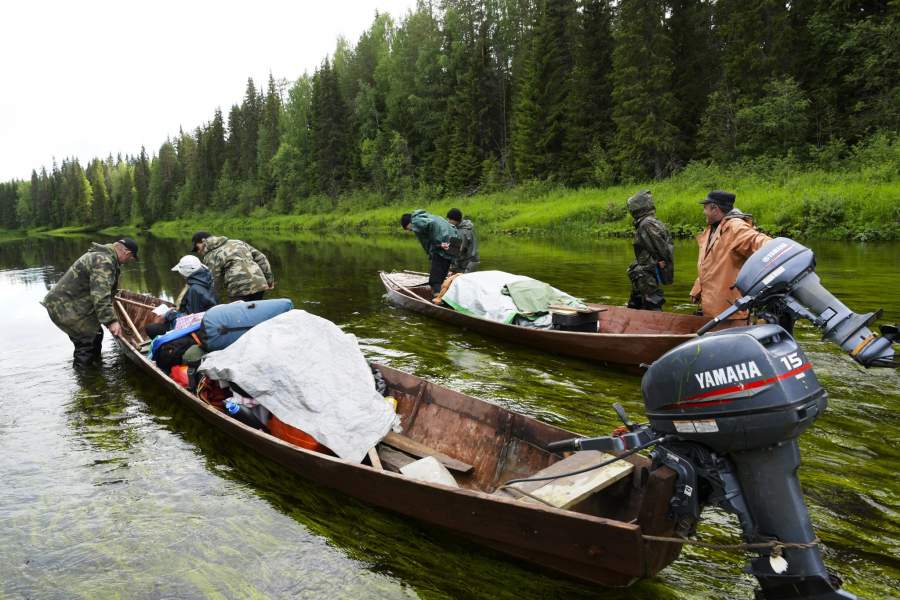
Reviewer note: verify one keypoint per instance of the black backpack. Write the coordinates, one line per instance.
(172, 353)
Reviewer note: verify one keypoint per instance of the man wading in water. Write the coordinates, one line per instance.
(82, 299)
(654, 255)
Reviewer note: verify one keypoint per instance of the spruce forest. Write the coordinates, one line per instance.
(460, 97)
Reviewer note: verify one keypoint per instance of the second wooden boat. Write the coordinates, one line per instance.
(626, 337)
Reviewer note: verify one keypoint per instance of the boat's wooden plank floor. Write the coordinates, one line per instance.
(566, 492)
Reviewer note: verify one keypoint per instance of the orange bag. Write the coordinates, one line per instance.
(298, 437)
(179, 374)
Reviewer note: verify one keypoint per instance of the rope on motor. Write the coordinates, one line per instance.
(776, 546)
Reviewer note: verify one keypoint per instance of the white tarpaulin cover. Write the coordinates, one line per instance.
(481, 294)
(311, 375)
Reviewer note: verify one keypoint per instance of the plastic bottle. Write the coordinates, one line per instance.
(242, 414)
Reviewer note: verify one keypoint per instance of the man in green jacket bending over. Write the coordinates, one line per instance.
(242, 270)
(439, 239)
(82, 299)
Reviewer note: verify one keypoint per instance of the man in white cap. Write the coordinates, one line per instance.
(198, 295)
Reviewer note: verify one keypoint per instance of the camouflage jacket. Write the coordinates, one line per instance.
(468, 248)
(653, 243)
(239, 267)
(82, 299)
(432, 231)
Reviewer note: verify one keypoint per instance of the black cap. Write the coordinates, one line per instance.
(455, 214)
(724, 200)
(131, 245)
(405, 219)
(198, 237)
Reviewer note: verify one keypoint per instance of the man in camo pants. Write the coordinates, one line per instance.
(82, 299)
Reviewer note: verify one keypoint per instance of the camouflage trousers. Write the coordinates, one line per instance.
(646, 293)
(87, 346)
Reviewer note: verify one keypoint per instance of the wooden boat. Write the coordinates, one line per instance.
(626, 337)
(598, 538)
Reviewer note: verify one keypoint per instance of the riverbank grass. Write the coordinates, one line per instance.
(814, 204)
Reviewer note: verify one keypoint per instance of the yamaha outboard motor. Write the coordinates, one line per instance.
(725, 412)
(780, 285)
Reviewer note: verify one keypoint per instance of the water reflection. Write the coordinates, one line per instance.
(111, 488)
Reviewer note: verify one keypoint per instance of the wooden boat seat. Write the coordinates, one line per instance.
(566, 492)
(417, 449)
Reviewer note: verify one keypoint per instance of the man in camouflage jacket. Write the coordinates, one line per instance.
(241, 269)
(654, 260)
(467, 260)
(82, 299)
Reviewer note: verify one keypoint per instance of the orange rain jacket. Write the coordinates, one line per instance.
(720, 260)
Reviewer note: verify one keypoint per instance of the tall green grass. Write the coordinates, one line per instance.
(861, 205)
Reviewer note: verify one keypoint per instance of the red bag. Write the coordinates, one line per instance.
(180, 375)
(210, 392)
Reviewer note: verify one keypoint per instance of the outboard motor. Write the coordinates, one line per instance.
(725, 413)
(780, 285)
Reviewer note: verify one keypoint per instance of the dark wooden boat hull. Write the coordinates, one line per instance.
(595, 549)
(628, 349)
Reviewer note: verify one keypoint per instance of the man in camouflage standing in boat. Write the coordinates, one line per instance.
(242, 270)
(467, 260)
(82, 299)
(654, 255)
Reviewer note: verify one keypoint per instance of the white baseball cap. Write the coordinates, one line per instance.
(188, 264)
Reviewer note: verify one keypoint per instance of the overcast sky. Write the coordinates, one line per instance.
(96, 77)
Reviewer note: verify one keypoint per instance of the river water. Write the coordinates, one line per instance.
(108, 488)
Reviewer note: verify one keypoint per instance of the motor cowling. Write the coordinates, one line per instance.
(735, 390)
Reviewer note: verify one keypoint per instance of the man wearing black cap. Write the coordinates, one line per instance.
(82, 299)
(726, 243)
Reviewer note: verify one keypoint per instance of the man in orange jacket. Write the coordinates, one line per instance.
(726, 243)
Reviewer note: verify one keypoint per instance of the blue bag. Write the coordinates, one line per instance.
(225, 323)
(172, 335)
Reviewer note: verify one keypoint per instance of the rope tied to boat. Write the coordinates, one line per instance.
(777, 546)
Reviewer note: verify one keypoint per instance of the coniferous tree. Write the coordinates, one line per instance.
(330, 136)
(249, 132)
(590, 104)
(542, 110)
(643, 102)
(269, 139)
(233, 140)
(140, 205)
(162, 188)
(695, 68)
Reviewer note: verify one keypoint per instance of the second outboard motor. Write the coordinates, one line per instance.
(725, 413)
(780, 285)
